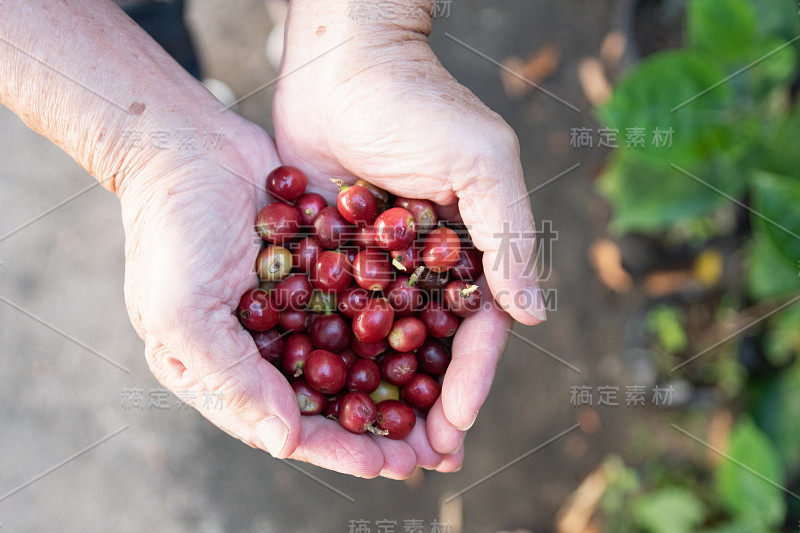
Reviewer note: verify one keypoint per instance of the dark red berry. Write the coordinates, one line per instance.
(373, 323)
(278, 223)
(355, 203)
(351, 252)
(394, 229)
(424, 212)
(363, 376)
(305, 254)
(461, 298)
(421, 392)
(325, 371)
(433, 357)
(293, 320)
(331, 230)
(381, 196)
(293, 292)
(256, 311)
(353, 300)
(407, 259)
(398, 368)
(404, 298)
(309, 205)
(432, 282)
(441, 250)
(440, 323)
(369, 350)
(396, 418)
(371, 270)
(349, 242)
(298, 346)
(407, 334)
(332, 272)
(286, 183)
(309, 400)
(270, 345)
(348, 356)
(330, 332)
(469, 266)
(332, 408)
(357, 413)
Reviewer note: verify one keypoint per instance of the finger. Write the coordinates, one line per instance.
(494, 206)
(445, 438)
(322, 441)
(171, 373)
(452, 462)
(325, 443)
(224, 358)
(427, 457)
(471, 371)
(399, 459)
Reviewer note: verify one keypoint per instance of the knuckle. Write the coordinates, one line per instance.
(507, 138)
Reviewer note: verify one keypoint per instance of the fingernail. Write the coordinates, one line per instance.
(536, 308)
(273, 433)
(466, 428)
(458, 449)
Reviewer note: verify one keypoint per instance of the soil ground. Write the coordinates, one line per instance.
(170, 470)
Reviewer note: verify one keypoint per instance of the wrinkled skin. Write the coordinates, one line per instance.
(390, 114)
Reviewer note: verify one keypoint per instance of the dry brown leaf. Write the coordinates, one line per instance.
(576, 515)
(660, 284)
(613, 48)
(718, 432)
(594, 81)
(539, 66)
(589, 420)
(606, 259)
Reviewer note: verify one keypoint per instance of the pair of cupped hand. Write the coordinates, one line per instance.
(391, 114)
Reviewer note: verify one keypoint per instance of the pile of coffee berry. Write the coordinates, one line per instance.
(358, 302)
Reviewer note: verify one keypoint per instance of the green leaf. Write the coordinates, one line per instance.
(670, 91)
(665, 321)
(779, 67)
(782, 339)
(736, 528)
(777, 153)
(647, 196)
(769, 273)
(724, 27)
(776, 408)
(669, 510)
(777, 18)
(777, 198)
(744, 494)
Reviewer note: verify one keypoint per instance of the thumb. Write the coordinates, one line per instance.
(224, 358)
(494, 205)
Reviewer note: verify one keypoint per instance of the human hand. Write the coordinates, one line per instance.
(188, 217)
(371, 100)
(190, 254)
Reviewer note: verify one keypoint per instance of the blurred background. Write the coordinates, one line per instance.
(661, 394)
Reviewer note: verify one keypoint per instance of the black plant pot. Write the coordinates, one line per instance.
(649, 26)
